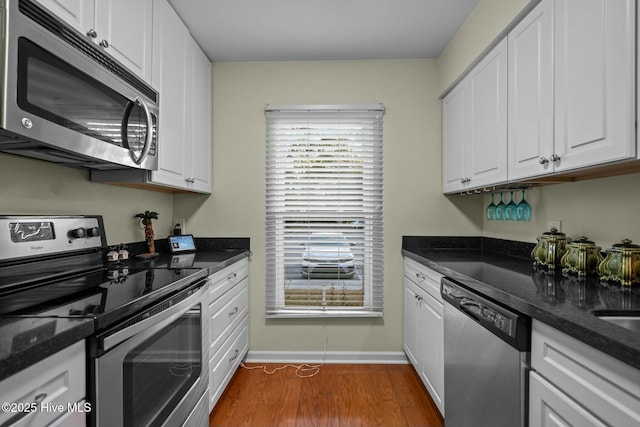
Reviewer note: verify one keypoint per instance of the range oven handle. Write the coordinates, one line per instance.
(148, 135)
(155, 322)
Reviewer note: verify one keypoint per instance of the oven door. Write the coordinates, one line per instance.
(156, 375)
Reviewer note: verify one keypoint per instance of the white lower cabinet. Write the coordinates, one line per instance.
(53, 389)
(423, 327)
(229, 325)
(573, 384)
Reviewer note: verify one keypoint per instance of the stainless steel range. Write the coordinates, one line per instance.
(146, 362)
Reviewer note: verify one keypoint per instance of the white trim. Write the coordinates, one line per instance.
(367, 357)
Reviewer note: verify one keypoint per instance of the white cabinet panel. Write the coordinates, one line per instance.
(475, 126)
(488, 119)
(601, 385)
(424, 328)
(550, 407)
(77, 13)
(122, 27)
(455, 107)
(530, 85)
(594, 81)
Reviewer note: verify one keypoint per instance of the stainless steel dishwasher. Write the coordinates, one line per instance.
(486, 360)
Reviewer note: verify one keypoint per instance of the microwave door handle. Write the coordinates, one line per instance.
(125, 123)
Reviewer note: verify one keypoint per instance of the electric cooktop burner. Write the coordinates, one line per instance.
(55, 267)
(107, 295)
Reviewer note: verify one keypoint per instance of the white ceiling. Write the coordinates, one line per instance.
(289, 30)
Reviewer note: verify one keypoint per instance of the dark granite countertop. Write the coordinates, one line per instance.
(563, 302)
(27, 340)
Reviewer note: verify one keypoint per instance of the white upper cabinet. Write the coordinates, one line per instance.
(170, 59)
(475, 126)
(488, 118)
(122, 27)
(531, 94)
(80, 14)
(571, 86)
(200, 121)
(455, 108)
(594, 81)
(182, 74)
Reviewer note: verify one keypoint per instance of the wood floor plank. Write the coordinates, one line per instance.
(348, 395)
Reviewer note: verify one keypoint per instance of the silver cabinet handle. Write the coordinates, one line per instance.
(104, 44)
(232, 276)
(92, 33)
(235, 310)
(235, 355)
(554, 157)
(421, 276)
(543, 160)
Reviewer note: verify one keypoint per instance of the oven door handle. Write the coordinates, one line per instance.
(153, 323)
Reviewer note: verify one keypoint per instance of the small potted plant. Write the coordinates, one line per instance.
(149, 237)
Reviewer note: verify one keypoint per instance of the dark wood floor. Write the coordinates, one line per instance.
(339, 395)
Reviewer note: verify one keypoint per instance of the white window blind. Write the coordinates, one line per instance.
(324, 179)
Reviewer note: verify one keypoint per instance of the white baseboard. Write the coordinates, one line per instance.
(365, 357)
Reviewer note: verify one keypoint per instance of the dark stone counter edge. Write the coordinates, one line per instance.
(22, 360)
(603, 342)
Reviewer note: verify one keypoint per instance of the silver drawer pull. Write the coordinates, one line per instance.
(232, 276)
(421, 276)
(235, 355)
(235, 310)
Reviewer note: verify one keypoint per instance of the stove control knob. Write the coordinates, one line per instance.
(78, 233)
(93, 232)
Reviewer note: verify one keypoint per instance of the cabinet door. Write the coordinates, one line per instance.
(594, 81)
(431, 343)
(530, 121)
(126, 28)
(199, 109)
(488, 118)
(77, 13)
(550, 407)
(455, 127)
(170, 55)
(411, 307)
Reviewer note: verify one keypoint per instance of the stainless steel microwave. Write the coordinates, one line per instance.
(63, 99)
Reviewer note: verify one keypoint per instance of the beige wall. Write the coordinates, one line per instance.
(484, 24)
(413, 201)
(30, 186)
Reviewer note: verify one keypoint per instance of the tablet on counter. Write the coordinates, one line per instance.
(182, 243)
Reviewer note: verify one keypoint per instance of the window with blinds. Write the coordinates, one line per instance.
(324, 211)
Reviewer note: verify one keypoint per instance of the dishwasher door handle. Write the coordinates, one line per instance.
(467, 306)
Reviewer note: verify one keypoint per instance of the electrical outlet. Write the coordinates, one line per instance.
(183, 224)
(555, 223)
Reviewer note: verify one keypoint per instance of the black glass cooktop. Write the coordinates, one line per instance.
(107, 295)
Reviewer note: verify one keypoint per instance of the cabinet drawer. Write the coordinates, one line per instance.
(594, 379)
(226, 313)
(226, 278)
(550, 407)
(225, 362)
(53, 382)
(424, 277)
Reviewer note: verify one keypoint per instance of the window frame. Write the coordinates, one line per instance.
(364, 134)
